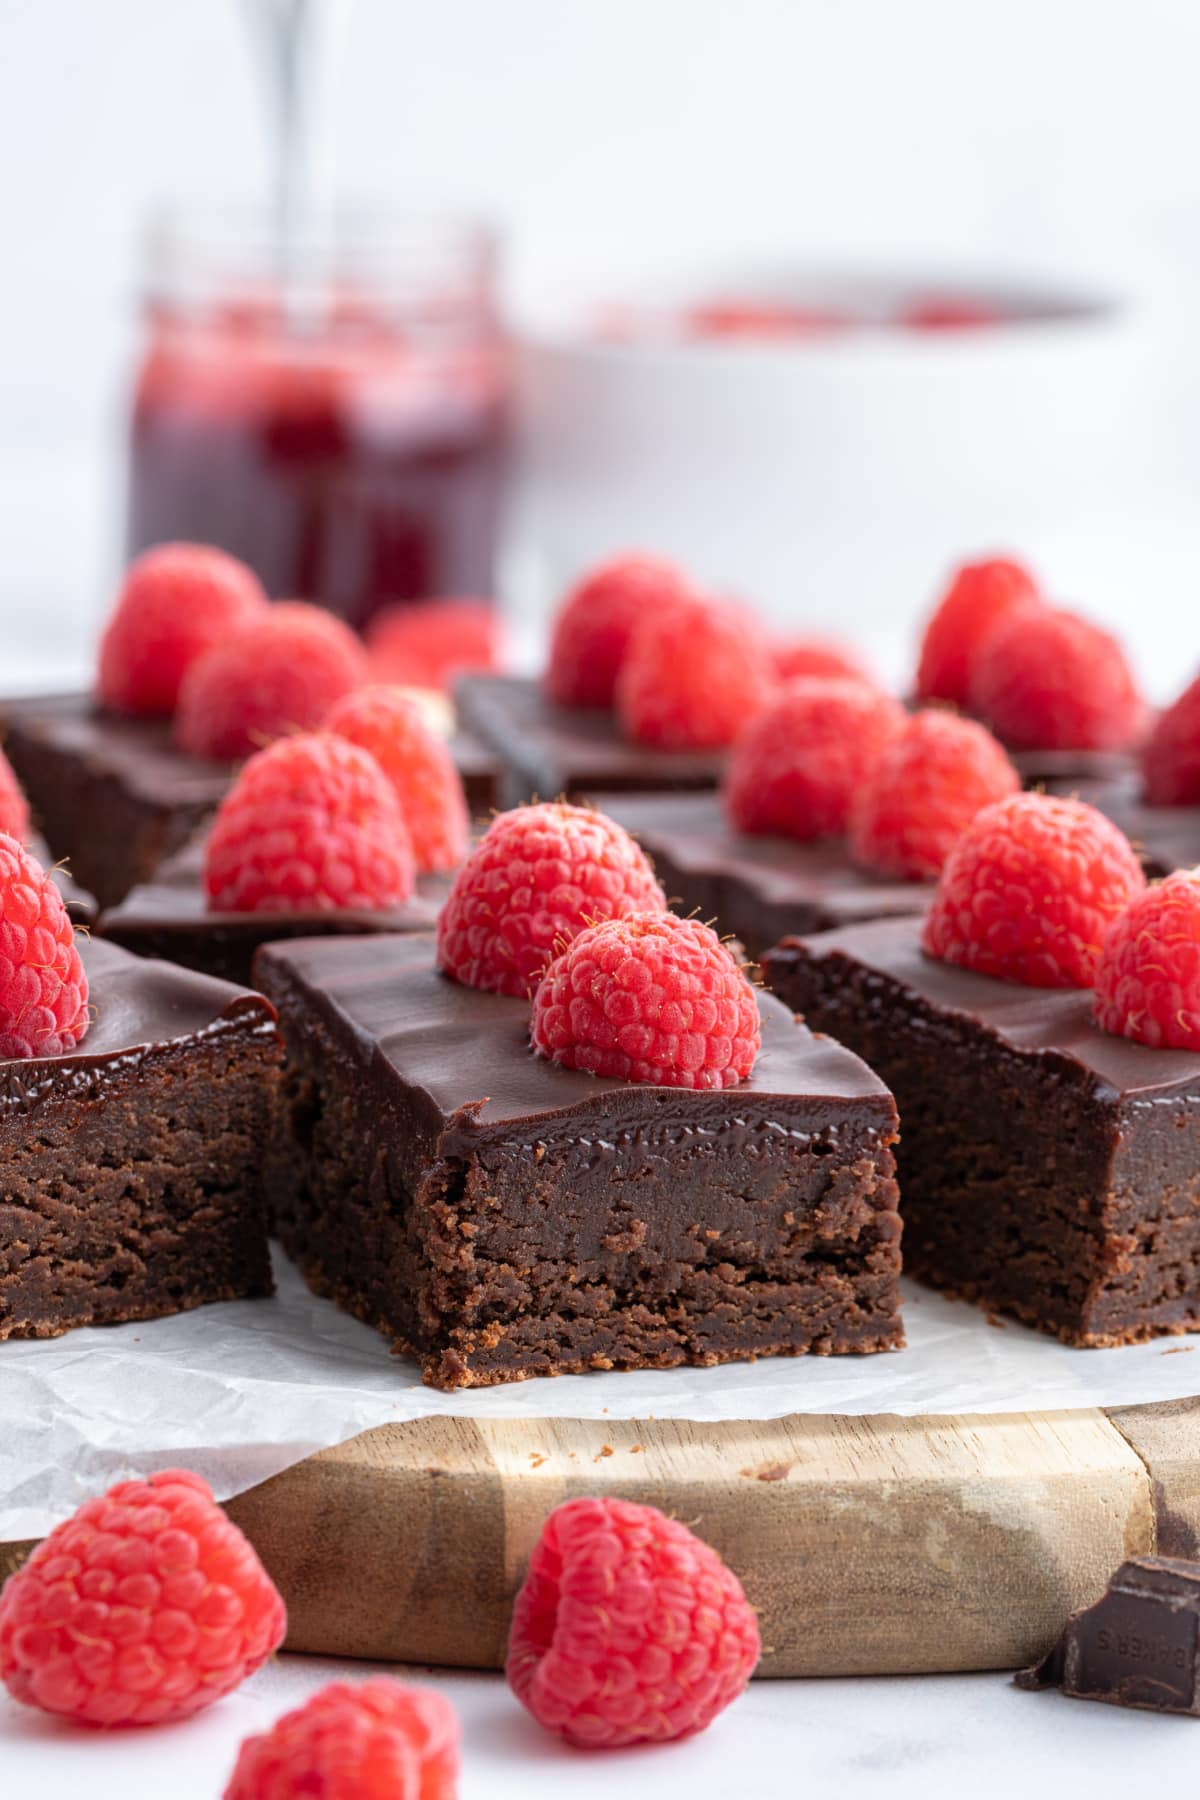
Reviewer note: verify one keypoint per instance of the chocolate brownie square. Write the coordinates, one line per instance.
(757, 888)
(169, 917)
(131, 1169)
(551, 752)
(499, 1217)
(115, 796)
(1047, 1169)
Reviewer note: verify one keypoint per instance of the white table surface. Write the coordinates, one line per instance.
(910, 1738)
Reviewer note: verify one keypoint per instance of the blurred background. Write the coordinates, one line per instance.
(638, 153)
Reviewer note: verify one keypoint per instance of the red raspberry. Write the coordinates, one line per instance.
(280, 673)
(146, 1605)
(797, 767)
(43, 987)
(311, 824)
(1029, 892)
(1148, 976)
(419, 766)
(1046, 679)
(177, 601)
(537, 877)
(628, 1629)
(695, 670)
(1171, 759)
(794, 657)
(595, 622)
(934, 776)
(979, 596)
(14, 808)
(431, 643)
(649, 998)
(379, 1740)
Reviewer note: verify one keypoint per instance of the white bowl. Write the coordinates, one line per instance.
(831, 478)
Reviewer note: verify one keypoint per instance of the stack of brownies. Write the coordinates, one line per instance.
(518, 1113)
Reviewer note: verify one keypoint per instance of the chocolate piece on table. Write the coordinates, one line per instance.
(757, 888)
(115, 797)
(500, 1217)
(1047, 1169)
(133, 1182)
(549, 752)
(1139, 1645)
(168, 916)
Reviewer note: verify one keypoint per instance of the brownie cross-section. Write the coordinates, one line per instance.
(1047, 1169)
(500, 1217)
(131, 1169)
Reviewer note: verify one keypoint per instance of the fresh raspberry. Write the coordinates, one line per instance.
(43, 987)
(818, 656)
(628, 1629)
(797, 767)
(932, 779)
(1148, 976)
(379, 1740)
(311, 824)
(431, 643)
(1046, 679)
(280, 673)
(595, 622)
(1171, 759)
(419, 766)
(14, 808)
(535, 879)
(146, 1605)
(177, 601)
(1030, 890)
(649, 998)
(695, 670)
(979, 596)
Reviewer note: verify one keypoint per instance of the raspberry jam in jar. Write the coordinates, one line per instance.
(340, 424)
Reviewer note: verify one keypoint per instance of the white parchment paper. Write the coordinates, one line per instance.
(242, 1390)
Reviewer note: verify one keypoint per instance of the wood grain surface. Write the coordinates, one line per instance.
(868, 1545)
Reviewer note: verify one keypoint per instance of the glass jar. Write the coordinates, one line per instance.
(340, 425)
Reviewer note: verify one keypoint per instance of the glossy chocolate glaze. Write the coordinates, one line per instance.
(169, 917)
(137, 1005)
(462, 1058)
(142, 752)
(758, 888)
(1051, 1023)
(548, 750)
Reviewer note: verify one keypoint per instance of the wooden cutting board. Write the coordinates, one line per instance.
(868, 1545)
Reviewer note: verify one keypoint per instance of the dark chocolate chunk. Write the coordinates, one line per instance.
(1137, 1646)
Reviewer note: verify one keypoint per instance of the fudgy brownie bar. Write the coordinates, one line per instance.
(500, 1217)
(550, 752)
(131, 1170)
(168, 916)
(112, 794)
(758, 888)
(1047, 1169)
(116, 797)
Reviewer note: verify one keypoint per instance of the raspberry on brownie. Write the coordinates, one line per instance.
(499, 1217)
(595, 623)
(695, 669)
(1048, 1168)
(978, 597)
(797, 766)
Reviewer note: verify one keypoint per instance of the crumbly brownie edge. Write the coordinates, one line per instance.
(474, 1268)
(1011, 1183)
(143, 1196)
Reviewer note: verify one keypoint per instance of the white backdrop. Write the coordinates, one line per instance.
(1043, 134)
